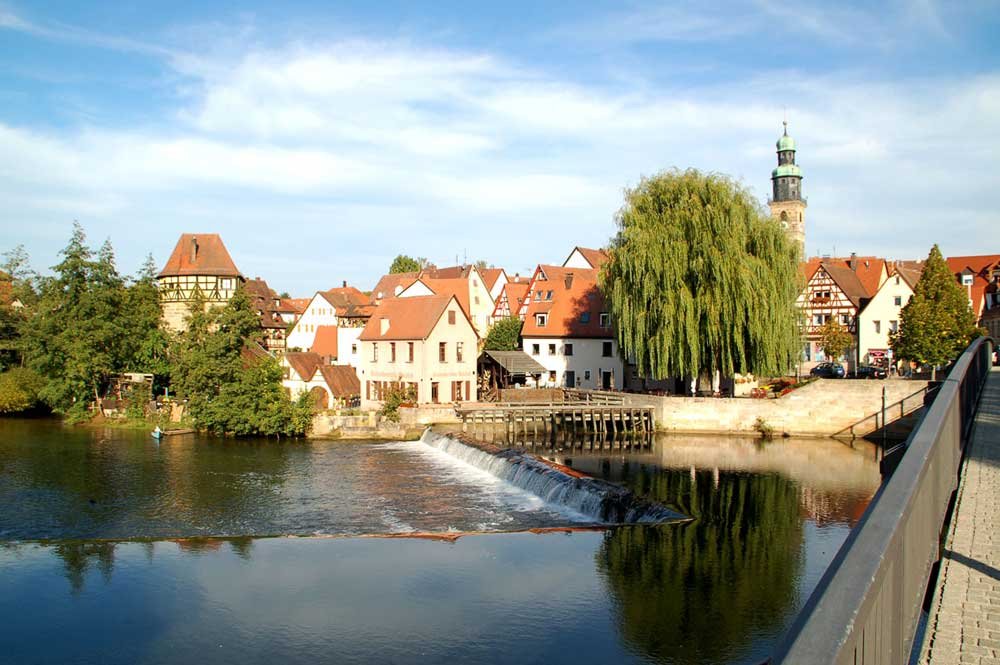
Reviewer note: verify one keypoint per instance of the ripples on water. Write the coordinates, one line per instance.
(722, 588)
(115, 484)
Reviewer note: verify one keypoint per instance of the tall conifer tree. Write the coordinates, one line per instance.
(938, 323)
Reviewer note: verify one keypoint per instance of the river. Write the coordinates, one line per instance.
(118, 549)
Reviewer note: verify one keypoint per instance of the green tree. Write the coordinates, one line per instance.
(75, 338)
(17, 266)
(505, 335)
(404, 263)
(17, 285)
(937, 324)
(231, 384)
(147, 341)
(701, 279)
(834, 339)
(19, 390)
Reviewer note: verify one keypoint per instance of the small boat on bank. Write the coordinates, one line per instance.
(160, 433)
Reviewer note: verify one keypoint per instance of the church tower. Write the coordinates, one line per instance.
(787, 204)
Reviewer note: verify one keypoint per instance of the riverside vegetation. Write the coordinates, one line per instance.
(72, 332)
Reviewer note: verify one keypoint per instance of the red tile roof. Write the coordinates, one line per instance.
(325, 342)
(387, 285)
(409, 318)
(348, 302)
(262, 300)
(575, 308)
(305, 363)
(342, 380)
(490, 276)
(595, 257)
(848, 282)
(457, 287)
(295, 305)
(869, 270)
(982, 268)
(200, 254)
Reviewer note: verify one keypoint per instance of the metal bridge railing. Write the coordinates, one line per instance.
(866, 607)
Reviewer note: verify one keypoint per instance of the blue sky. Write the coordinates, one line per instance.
(322, 139)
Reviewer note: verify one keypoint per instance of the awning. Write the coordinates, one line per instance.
(515, 362)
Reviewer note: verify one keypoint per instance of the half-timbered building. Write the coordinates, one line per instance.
(199, 266)
(837, 289)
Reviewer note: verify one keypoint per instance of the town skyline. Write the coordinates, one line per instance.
(321, 144)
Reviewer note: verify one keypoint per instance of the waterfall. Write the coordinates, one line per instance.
(603, 501)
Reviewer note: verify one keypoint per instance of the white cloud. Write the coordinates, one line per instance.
(395, 148)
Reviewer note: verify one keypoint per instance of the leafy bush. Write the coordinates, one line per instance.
(19, 390)
(394, 398)
(764, 428)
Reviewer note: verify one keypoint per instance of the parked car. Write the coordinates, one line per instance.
(828, 371)
(869, 372)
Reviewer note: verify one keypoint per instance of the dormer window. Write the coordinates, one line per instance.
(605, 320)
(541, 320)
(966, 280)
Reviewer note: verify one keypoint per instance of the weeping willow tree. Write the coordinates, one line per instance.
(701, 279)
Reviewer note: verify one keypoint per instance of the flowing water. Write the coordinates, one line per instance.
(116, 549)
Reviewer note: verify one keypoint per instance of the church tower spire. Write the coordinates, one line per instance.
(787, 204)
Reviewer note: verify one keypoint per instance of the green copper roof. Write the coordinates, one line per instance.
(787, 170)
(786, 142)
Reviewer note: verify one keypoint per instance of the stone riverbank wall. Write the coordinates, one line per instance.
(820, 408)
(369, 425)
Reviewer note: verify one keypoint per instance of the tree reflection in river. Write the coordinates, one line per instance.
(79, 556)
(731, 573)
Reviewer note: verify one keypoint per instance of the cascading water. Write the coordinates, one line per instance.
(595, 498)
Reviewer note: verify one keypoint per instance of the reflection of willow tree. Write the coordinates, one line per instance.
(700, 592)
(78, 557)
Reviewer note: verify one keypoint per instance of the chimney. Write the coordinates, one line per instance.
(194, 248)
(854, 261)
(383, 326)
(345, 283)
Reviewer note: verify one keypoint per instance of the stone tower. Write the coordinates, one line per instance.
(787, 204)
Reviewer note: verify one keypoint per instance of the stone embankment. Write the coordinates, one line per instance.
(369, 425)
(821, 408)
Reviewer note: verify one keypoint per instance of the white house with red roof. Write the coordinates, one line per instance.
(582, 257)
(567, 329)
(882, 314)
(464, 282)
(837, 288)
(425, 344)
(342, 307)
(329, 385)
(495, 279)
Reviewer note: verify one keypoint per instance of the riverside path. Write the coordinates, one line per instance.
(964, 621)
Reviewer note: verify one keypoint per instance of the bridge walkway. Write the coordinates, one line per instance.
(964, 620)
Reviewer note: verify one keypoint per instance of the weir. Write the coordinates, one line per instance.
(605, 502)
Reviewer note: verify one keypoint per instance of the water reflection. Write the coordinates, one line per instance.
(732, 574)
(767, 519)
